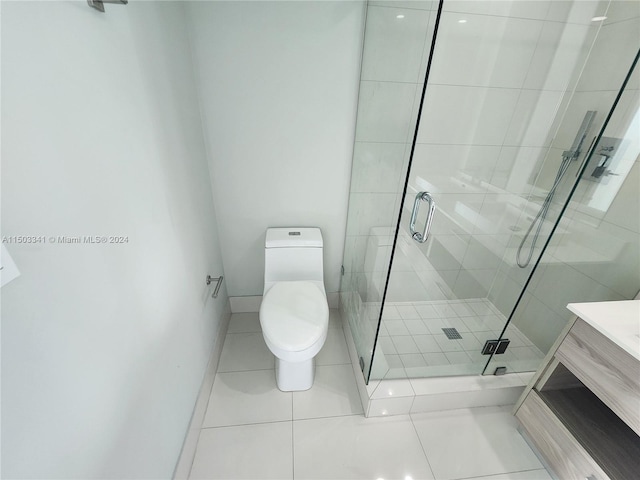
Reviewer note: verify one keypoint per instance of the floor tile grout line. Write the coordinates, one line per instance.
(424, 451)
(251, 424)
(324, 417)
(293, 443)
(328, 417)
(502, 473)
(293, 447)
(273, 368)
(253, 370)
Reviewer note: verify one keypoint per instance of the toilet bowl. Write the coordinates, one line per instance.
(294, 314)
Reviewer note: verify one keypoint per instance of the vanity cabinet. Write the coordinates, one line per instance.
(581, 411)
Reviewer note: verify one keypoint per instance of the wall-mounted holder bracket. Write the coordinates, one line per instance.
(210, 280)
(8, 268)
(99, 4)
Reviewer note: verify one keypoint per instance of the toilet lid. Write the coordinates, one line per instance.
(294, 315)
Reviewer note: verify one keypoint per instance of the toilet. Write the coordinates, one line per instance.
(294, 314)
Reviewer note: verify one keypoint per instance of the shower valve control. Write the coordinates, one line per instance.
(602, 159)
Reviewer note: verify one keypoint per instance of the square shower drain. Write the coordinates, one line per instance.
(451, 333)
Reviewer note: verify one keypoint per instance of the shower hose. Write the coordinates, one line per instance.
(541, 215)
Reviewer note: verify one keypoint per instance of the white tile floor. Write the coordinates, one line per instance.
(252, 430)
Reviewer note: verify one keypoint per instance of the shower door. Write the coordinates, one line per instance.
(512, 101)
(503, 129)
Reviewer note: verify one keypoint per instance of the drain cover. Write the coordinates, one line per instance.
(451, 333)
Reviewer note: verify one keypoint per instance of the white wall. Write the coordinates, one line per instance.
(278, 84)
(104, 347)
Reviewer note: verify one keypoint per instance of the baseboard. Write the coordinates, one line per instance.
(355, 364)
(185, 460)
(333, 298)
(251, 303)
(245, 304)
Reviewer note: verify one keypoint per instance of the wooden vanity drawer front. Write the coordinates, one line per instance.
(607, 370)
(564, 455)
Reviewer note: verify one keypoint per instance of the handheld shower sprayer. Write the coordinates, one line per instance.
(567, 157)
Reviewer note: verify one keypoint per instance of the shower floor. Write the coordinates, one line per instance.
(412, 342)
(419, 305)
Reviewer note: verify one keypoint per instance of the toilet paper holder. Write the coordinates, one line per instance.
(210, 280)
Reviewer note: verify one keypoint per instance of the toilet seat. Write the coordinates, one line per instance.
(294, 317)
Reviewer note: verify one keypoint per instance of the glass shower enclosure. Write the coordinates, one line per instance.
(495, 179)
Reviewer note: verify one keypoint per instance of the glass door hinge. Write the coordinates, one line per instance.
(495, 346)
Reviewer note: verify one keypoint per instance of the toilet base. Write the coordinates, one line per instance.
(294, 376)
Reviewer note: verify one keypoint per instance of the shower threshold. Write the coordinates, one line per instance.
(420, 395)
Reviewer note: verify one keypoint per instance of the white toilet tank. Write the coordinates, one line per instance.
(293, 254)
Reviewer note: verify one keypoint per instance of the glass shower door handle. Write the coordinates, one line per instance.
(422, 197)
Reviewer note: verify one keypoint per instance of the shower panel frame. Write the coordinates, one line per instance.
(419, 197)
(580, 178)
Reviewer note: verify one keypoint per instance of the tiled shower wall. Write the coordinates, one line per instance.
(496, 85)
(502, 77)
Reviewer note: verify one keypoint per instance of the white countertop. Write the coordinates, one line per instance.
(618, 321)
